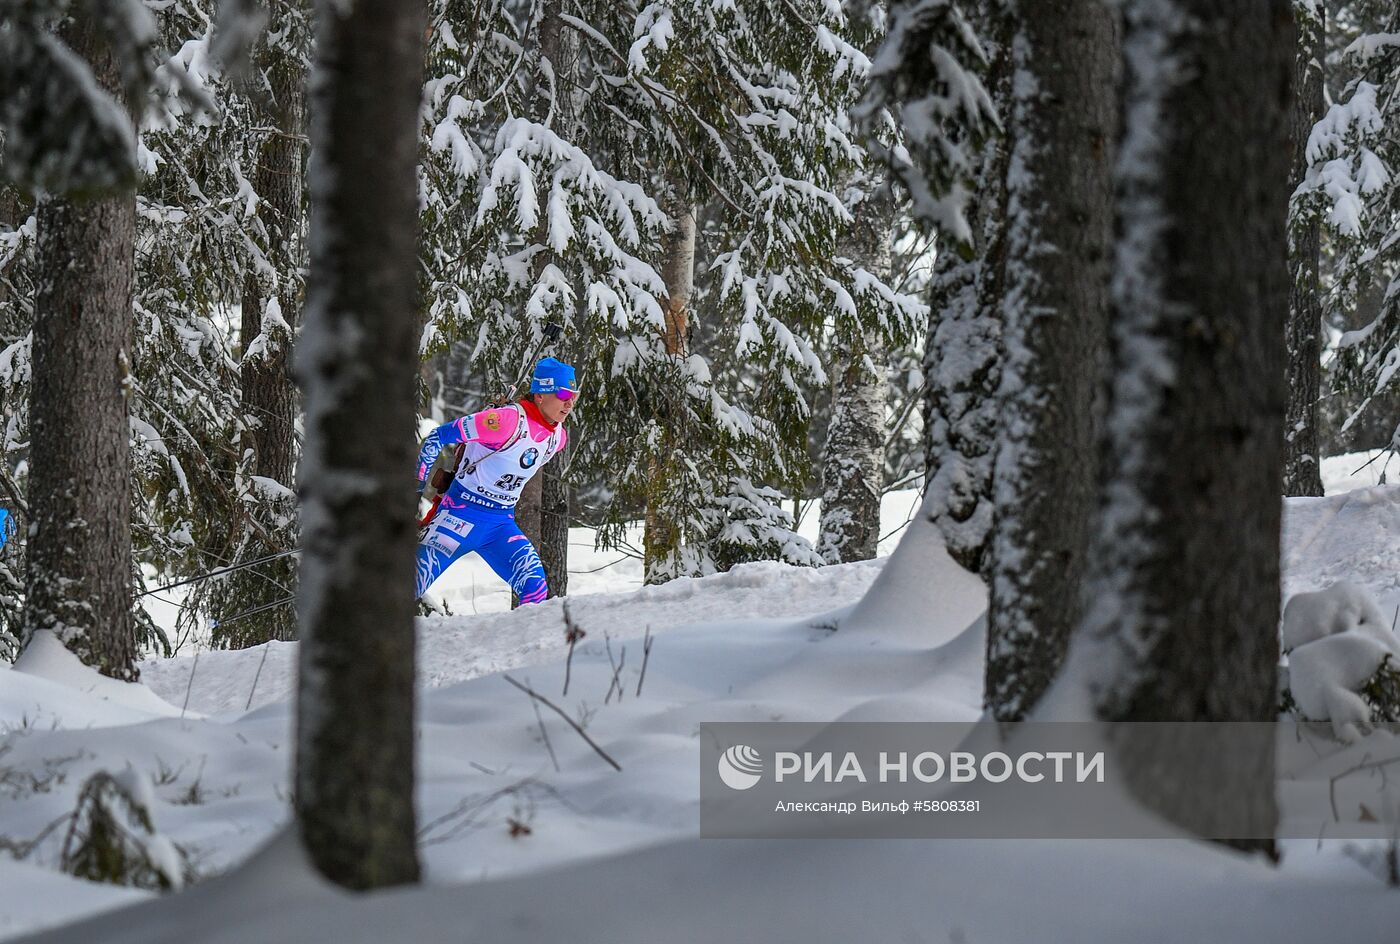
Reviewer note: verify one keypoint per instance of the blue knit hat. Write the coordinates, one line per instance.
(551, 376)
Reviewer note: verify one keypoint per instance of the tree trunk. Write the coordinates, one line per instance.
(962, 355)
(561, 47)
(1185, 560)
(661, 540)
(554, 526)
(543, 517)
(358, 363)
(543, 512)
(79, 551)
(1063, 123)
(1302, 470)
(853, 462)
(268, 441)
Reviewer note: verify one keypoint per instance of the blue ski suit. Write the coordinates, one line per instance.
(505, 447)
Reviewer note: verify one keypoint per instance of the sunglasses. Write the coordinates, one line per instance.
(564, 394)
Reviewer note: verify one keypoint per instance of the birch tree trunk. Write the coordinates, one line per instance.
(853, 461)
(1302, 470)
(270, 309)
(358, 362)
(78, 584)
(661, 539)
(1063, 123)
(1185, 559)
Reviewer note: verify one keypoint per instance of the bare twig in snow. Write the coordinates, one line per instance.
(190, 684)
(617, 675)
(543, 733)
(1366, 763)
(468, 812)
(560, 712)
(572, 634)
(647, 640)
(617, 670)
(256, 676)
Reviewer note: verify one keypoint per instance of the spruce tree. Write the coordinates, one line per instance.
(78, 575)
(196, 239)
(853, 457)
(543, 512)
(270, 305)
(664, 116)
(962, 352)
(927, 83)
(1353, 185)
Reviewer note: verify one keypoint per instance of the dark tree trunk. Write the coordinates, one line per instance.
(269, 406)
(554, 526)
(1063, 124)
(1302, 470)
(962, 355)
(1184, 625)
(79, 552)
(543, 516)
(269, 396)
(358, 363)
(853, 460)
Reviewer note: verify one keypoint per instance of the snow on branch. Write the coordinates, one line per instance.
(926, 88)
(62, 129)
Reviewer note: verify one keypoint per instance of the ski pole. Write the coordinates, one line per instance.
(255, 610)
(222, 570)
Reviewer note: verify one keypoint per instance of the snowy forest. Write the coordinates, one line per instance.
(982, 361)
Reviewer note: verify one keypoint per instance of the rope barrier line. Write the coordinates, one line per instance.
(255, 610)
(222, 570)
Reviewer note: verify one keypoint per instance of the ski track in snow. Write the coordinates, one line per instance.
(753, 644)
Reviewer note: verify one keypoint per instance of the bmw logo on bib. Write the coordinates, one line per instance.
(530, 457)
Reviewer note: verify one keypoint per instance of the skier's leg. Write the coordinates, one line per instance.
(514, 559)
(445, 540)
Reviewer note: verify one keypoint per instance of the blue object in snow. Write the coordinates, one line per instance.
(6, 526)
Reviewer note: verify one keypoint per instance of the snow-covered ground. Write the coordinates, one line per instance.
(615, 856)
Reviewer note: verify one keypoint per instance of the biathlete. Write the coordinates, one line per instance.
(500, 450)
